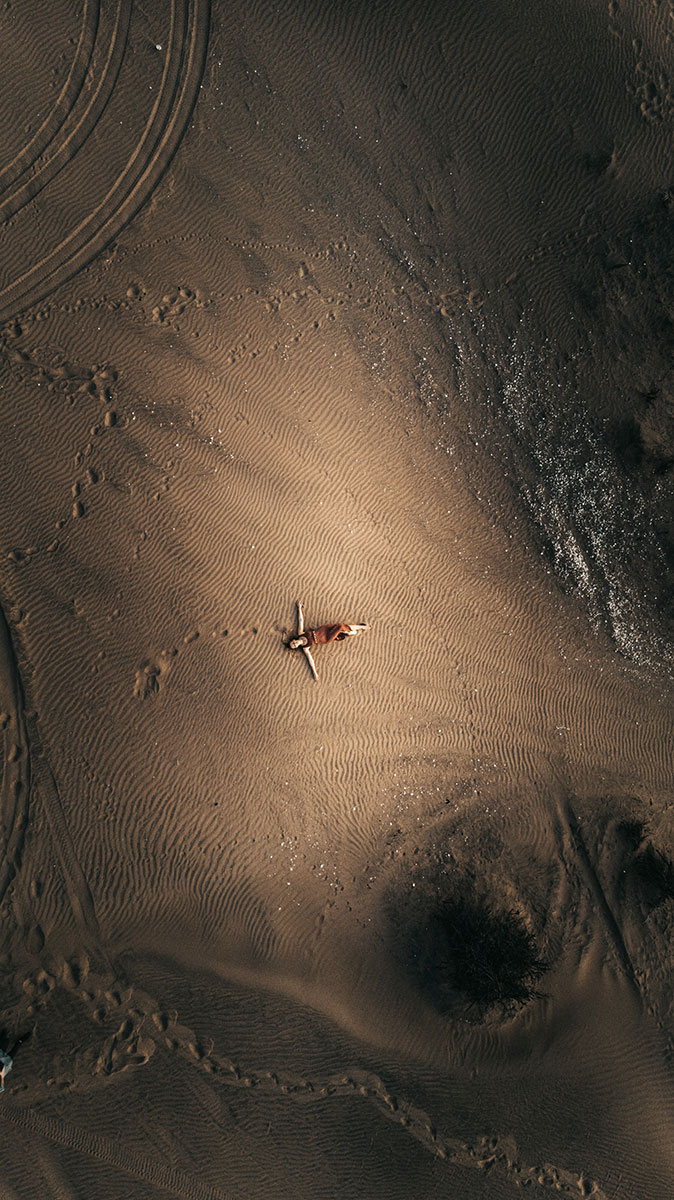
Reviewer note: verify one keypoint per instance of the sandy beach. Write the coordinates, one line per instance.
(371, 307)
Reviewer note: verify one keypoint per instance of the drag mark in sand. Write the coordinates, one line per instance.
(60, 145)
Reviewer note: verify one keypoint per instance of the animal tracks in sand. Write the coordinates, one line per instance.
(651, 89)
(151, 674)
(73, 384)
(60, 378)
(128, 1030)
(173, 304)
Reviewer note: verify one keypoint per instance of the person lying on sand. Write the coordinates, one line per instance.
(323, 635)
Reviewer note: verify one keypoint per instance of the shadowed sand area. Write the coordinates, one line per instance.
(369, 306)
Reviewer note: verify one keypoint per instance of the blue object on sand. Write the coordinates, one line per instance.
(6, 1064)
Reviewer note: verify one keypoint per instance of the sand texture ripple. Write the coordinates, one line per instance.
(369, 306)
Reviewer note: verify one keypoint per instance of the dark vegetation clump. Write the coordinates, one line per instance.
(631, 835)
(654, 873)
(484, 957)
(651, 871)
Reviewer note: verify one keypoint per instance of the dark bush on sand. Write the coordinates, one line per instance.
(654, 873)
(469, 950)
(647, 869)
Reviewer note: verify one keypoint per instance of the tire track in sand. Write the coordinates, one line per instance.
(59, 114)
(112, 1152)
(15, 787)
(39, 174)
(24, 772)
(167, 120)
(79, 893)
(573, 849)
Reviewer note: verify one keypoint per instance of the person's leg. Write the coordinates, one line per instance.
(310, 659)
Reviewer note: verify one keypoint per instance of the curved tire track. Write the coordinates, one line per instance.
(163, 130)
(41, 174)
(50, 127)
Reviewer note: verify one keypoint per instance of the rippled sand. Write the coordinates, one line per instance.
(370, 307)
